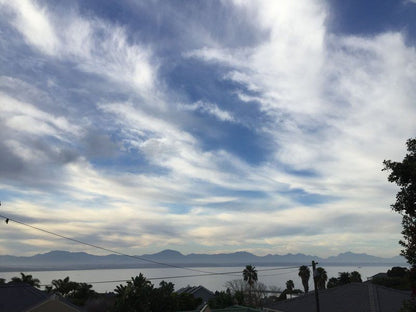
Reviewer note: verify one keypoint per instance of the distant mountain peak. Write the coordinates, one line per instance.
(168, 252)
(70, 260)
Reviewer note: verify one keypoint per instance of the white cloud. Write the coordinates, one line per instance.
(335, 100)
(33, 22)
(209, 108)
(340, 104)
(25, 117)
(95, 46)
(336, 106)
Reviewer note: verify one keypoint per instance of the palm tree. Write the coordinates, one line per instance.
(321, 278)
(27, 279)
(305, 274)
(250, 276)
(64, 287)
(289, 287)
(344, 278)
(355, 277)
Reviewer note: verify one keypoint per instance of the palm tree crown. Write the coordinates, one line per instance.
(305, 274)
(250, 275)
(321, 278)
(290, 286)
(28, 279)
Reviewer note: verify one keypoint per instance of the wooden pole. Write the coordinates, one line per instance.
(315, 276)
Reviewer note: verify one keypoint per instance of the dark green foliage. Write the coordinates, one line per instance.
(305, 273)
(139, 295)
(162, 299)
(82, 293)
(398, 272)
(135, 296)
(222, 299)
(344, 278)
(283, 295)
(239, 297)
(27, 279)
(355, 277)
(2, 281)
(185, 302)
(321, 278)
(62, 287)
(332, 282)
(290, 286)
(397, 277)
(250, 275)
(404, 175)
(401, 283)
(77, 293)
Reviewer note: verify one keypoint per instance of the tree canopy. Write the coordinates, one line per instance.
(27, 279)
(321, 278)
(305, 274)
(140, 295)
(250, 275)
(404, 175)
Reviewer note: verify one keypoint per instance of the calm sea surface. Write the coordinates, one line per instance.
(107, 280)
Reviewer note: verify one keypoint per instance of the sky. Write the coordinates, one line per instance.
(204, 126)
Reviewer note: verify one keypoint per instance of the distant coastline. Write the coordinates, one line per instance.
(65, 260)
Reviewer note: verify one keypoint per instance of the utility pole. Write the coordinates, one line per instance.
(315, 276)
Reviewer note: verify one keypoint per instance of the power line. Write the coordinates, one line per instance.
(102, 248)
(276, 274)
(206, 273)
(193, 275)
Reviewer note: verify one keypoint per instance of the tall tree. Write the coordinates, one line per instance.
(135, 296)
(355, 277)
(305, 274)
(289, 287)
(62, 287)
(344, 278)
(77, 293)
(250, 276)
(404, 175)
(321, 278)
(27, 279)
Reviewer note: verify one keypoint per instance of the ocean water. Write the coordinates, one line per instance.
(107, 280)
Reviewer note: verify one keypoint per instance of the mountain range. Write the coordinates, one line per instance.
(65, 260)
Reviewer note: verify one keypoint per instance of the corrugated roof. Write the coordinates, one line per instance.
(16, 297)
(356, 297)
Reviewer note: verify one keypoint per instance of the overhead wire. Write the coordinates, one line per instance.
(101, 248)
(193, 275)
(205, 273)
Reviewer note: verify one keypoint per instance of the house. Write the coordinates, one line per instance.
(377, 276)
(20, 297)
(354, 297)
(197, 292)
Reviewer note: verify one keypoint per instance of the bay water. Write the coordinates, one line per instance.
(107, 280)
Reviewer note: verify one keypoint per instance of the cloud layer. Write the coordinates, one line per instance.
(263, 131)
